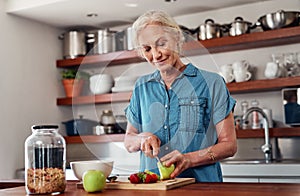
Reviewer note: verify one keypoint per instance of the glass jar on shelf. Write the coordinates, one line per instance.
(45, 161)
(255, 116)
(244, 106)
(107, 118)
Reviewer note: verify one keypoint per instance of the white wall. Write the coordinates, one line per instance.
(28, 83)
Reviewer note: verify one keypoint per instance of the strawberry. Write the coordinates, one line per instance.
(147, 178)
(134, 178)
(154, 177)
(143, 177)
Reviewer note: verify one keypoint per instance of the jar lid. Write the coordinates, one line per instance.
(45, 127)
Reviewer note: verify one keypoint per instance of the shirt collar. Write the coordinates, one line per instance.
(190, 71)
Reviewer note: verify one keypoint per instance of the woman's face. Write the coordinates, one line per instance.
(159, 47)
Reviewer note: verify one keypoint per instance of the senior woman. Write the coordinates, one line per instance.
(179, 113)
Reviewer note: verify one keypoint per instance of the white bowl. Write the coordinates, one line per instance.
(101, 83)
(79, 167)
(125, 81)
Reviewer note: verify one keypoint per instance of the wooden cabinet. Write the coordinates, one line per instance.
(247, 41)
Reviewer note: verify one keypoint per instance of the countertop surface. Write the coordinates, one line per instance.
(270, 169)
(207, 189)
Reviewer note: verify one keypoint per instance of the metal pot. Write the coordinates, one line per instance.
(74, 44)
(209, 30)
(128, 39)
(80, 126)
(239, 27)
(189, 34)
(279, 19)
(101, 41)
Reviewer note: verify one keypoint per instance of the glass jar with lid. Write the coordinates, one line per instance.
(45, 160)
(107, 118)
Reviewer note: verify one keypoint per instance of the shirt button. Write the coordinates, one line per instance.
(166, 106)
(165, 127)
(166, 148)
(192, 102)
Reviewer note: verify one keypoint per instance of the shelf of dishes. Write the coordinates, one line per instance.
(282, 36)
(234, 88)
(241, 133)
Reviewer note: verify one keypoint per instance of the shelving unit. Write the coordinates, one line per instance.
(95, 138)
(234, 88)
(224, 44)
(263, 85)
(95, 99)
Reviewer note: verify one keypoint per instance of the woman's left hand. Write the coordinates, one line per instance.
(181, 162)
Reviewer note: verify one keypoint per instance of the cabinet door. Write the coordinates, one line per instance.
(280, 180)
(240, 179)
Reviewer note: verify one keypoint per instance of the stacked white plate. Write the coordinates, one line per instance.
(124, 83)
(101, 83)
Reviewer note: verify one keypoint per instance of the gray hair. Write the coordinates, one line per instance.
(159, 18)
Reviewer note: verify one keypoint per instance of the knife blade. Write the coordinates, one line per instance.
(158, 160)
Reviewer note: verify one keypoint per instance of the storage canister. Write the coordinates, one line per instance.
(101, 41)
(74, 44)
(107, 118)
(45, 161)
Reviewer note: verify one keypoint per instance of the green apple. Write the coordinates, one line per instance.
(164, 171)
(93, 180)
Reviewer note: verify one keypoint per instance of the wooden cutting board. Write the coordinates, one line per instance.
(160, 185)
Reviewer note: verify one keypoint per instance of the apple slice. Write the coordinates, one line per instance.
(164, 171)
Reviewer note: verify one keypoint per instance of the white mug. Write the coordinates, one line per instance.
(240, 65)
(226, 68)
(241, 76)
(227, 73)
(271, 70)
(228, 77)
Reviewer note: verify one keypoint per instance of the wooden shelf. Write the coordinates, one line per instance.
(95, 138)
(241, 133)
(276, 37)
(274, 132)
(263, 85)
(283, 36)
(95, 99)
(234, 88)
(113, 58)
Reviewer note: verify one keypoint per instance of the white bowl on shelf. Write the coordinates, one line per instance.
(125, 81)
(117, 89)
(101, 83)
(79, 167)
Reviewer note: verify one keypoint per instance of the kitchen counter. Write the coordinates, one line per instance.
(248, 171)
(206, 189)
(11, 183)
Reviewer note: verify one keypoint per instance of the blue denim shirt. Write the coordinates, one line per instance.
(183, 117)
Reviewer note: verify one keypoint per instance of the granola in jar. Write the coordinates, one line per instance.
(45, 180)
(45, 161)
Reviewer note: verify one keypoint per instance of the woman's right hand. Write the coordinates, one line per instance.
(146, 142)
(150, 144)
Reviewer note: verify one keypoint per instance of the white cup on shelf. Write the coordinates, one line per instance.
(227, 73)
(240, 65)
(242, 75)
